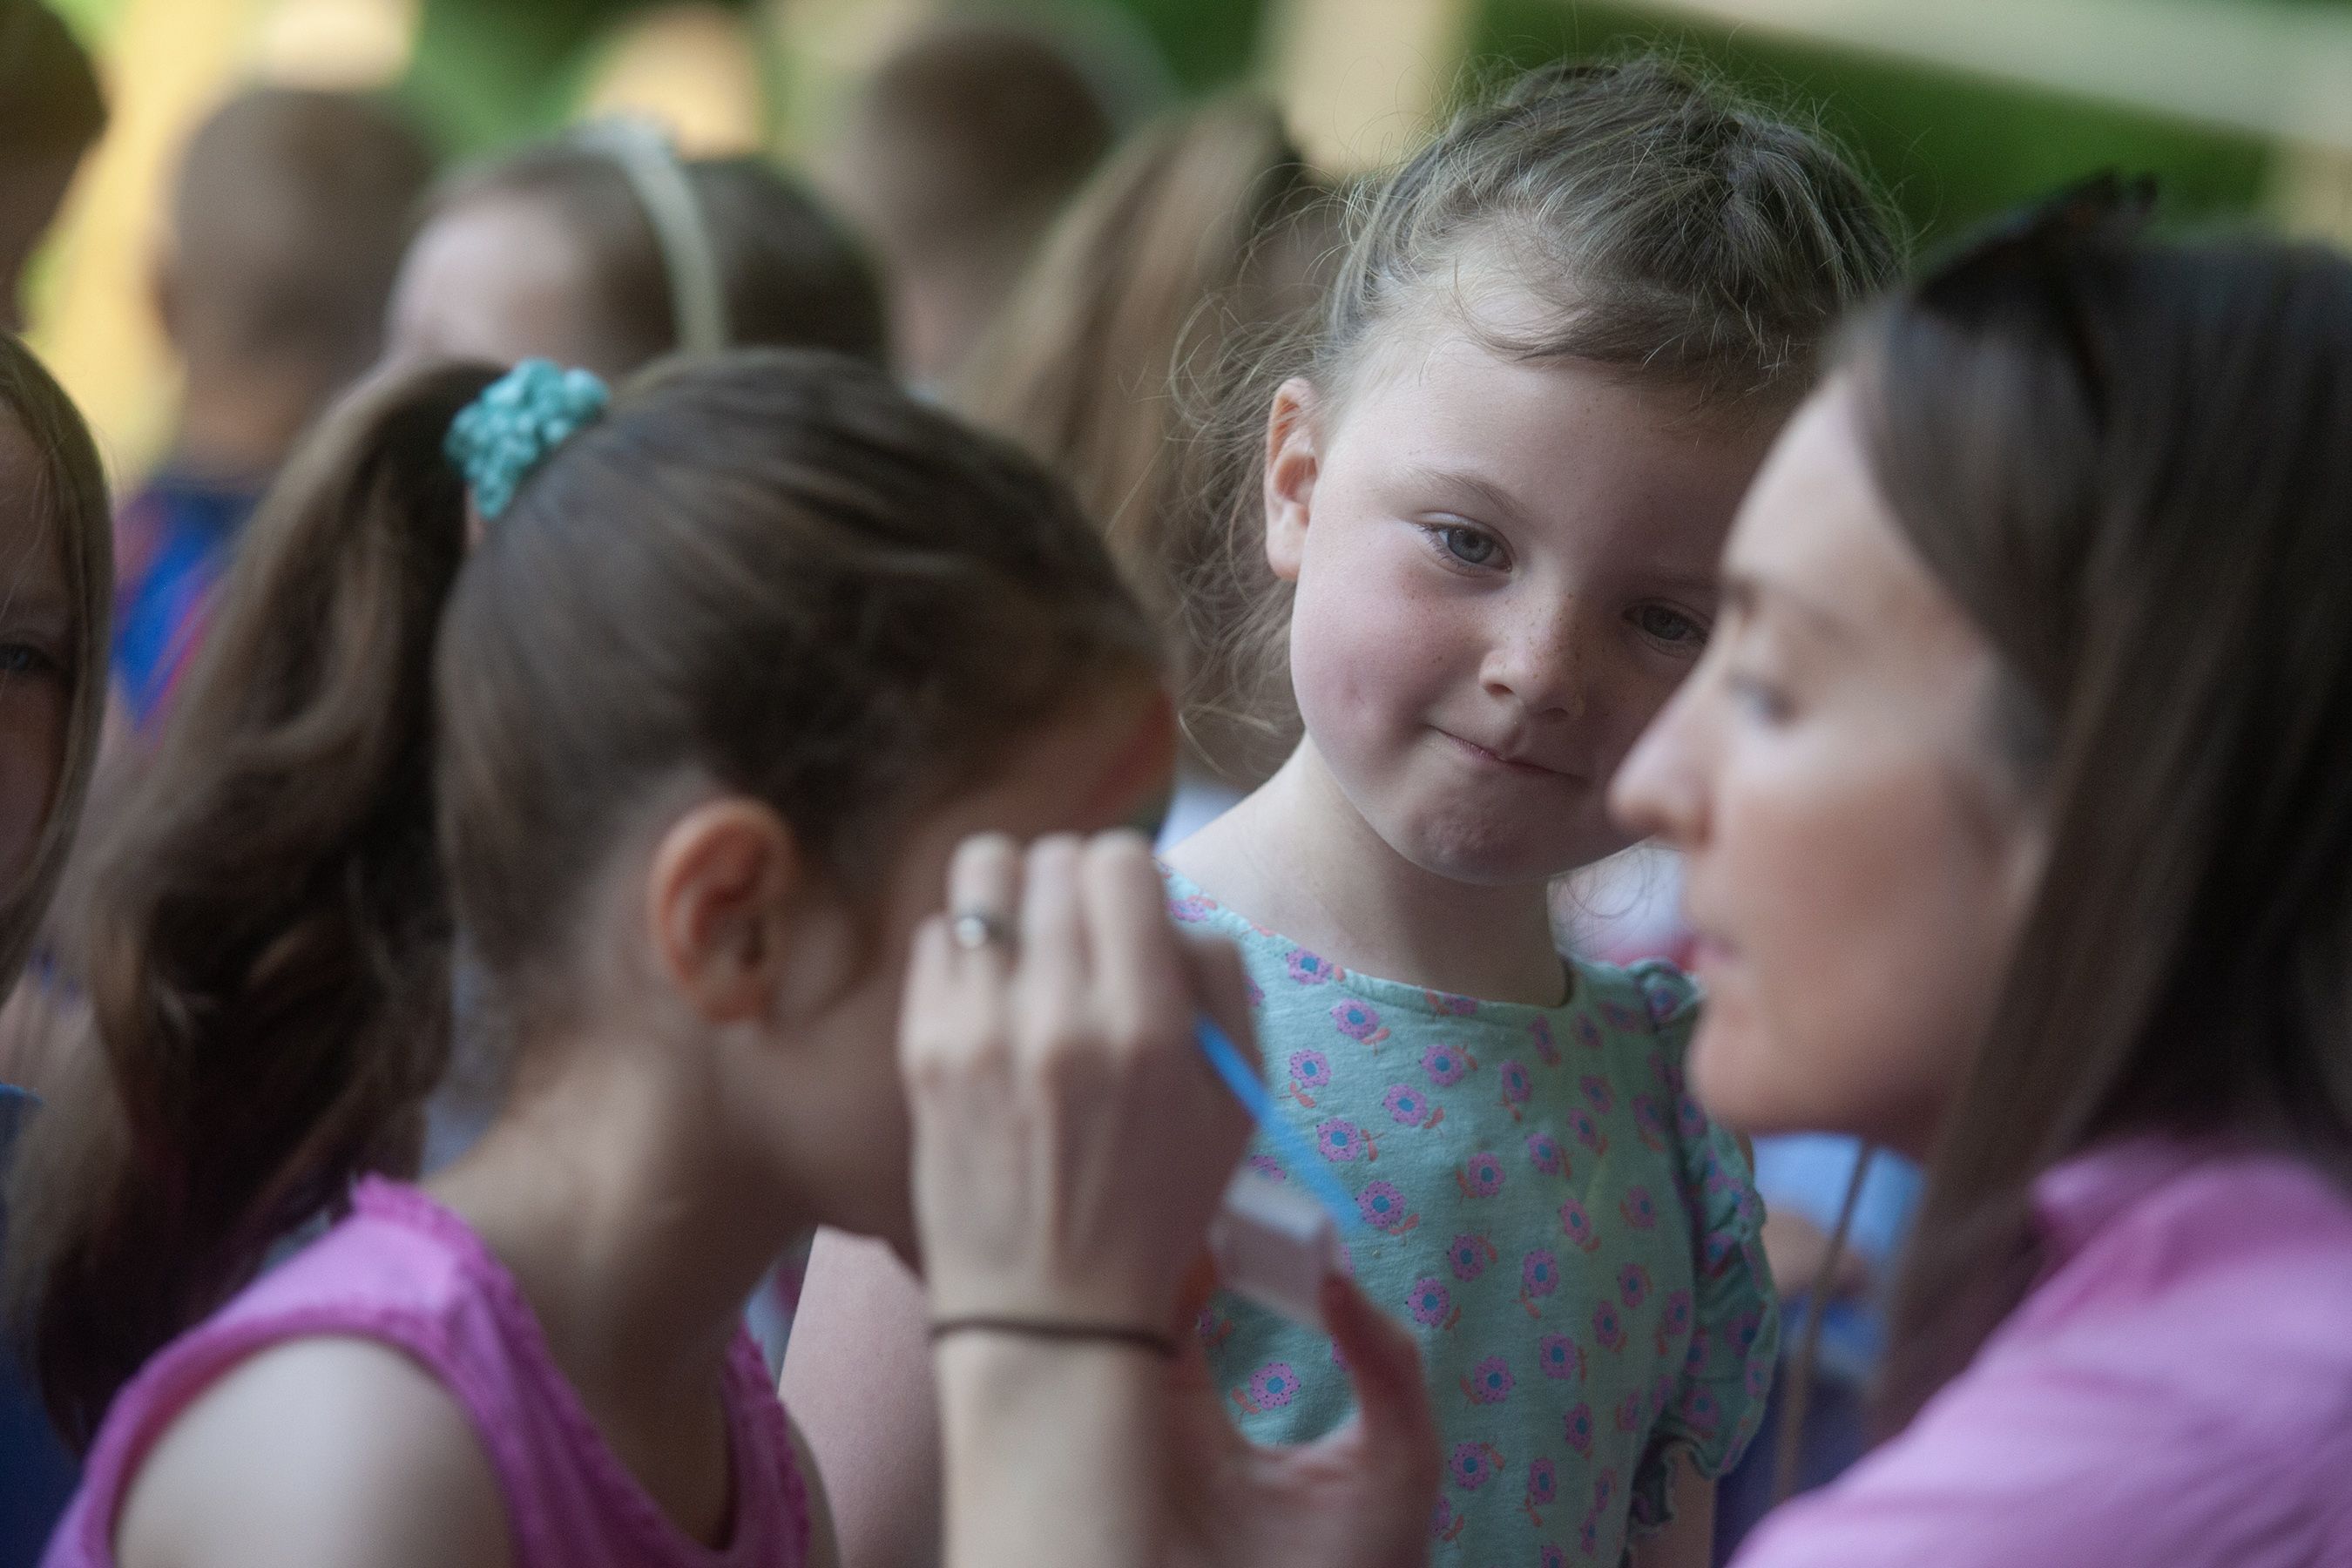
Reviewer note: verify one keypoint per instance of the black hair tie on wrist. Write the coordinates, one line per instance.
(1159, 1343)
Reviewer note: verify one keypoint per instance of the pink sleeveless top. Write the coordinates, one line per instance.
(407, 1272)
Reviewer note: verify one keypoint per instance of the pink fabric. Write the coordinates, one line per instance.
(2177, 1390)
(407, 1272)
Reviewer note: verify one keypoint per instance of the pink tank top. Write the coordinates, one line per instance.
(408, 1273)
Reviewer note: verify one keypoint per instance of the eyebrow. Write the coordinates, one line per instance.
(1486, 490)
(1747, 595)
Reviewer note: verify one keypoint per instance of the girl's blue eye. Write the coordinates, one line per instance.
(1468, 545)
(1671, 626)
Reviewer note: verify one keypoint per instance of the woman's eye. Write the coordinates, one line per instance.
(1669, 625)
(24, 659)
(1760, 699)
(1468, 545)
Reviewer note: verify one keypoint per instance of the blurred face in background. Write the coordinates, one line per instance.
(1859, 855)
(500, 278)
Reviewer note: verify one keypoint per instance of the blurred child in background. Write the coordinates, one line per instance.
(51, 114)
(287, 224)
(955, 160)
(1206, 238)
(604, 249)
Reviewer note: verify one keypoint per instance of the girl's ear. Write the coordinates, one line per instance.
(728, 887)
(1292, 462)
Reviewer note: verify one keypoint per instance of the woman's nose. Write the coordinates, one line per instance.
(1660, 791)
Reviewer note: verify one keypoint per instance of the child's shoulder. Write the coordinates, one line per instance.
(365, 1316)
(1648, 997)
(273, 1438)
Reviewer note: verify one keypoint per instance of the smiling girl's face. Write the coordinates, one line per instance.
(37, 651)
(1859, 853)
(1504, 567)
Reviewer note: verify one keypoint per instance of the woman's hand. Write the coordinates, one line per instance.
(1360, 1498)
(1071, 1144)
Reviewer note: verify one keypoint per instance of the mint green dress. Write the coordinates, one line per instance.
(1574, 1242)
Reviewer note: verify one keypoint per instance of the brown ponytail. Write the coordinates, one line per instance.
(270, 929)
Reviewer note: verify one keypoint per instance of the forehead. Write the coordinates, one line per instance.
(497, 277)
(1435, 393)
(1814, 530)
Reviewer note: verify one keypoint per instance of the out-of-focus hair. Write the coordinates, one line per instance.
(789, 274)
(1202, 238)
(50, 104)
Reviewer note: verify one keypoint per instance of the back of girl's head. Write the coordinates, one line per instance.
(1658, 222)
(779, 573)
(788, 275)
(2127, 461)
(1205, 236)
(63, 510)
(769, 571)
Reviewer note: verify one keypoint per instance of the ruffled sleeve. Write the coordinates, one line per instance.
(1716, 1401)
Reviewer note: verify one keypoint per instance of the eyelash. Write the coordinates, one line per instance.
(1693, 639)
(1444, 536)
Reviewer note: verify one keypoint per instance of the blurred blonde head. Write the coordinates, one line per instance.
(1201, 239)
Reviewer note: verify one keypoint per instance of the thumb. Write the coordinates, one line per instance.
(1395, 1422)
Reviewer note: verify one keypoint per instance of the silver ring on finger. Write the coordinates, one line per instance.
(977, 930)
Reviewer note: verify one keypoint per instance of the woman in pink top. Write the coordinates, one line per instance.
(2017, 796)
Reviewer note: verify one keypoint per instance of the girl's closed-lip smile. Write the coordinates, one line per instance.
(1506, 762)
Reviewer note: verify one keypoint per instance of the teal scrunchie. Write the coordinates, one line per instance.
(506, 433)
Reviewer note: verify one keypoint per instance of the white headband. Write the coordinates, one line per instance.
(697, 296)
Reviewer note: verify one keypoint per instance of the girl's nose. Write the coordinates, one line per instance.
(1538, 665)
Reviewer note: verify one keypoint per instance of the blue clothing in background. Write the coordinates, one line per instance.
(36, 1474)
(172, 542)
(1806, 1174)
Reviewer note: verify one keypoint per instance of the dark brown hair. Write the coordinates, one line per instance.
(770, 568)
(1666, 225)
(791, 276)
(1203, 238)
(67, 505)
(50, 106)
(289, 219)
(2127, 460)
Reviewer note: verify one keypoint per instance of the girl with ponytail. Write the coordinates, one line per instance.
(683, 748)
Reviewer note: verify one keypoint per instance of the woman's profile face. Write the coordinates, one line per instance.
(37, 647)
(1859, 854)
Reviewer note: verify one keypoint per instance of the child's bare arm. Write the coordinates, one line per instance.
(1688, 1539)
(328, 1453)
(857, 1381)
